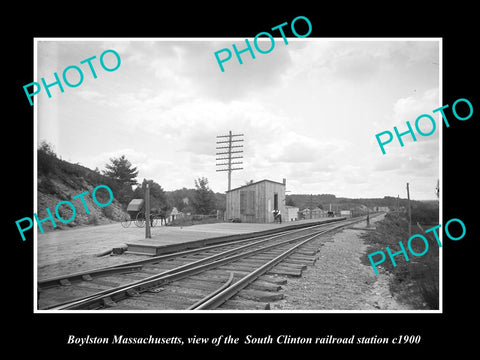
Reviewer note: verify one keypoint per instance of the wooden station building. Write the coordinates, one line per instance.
(255, 202)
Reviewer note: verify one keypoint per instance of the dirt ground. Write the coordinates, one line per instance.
(339, 281)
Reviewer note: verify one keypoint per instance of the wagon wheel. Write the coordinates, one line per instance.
(126, 221)
(140, 219)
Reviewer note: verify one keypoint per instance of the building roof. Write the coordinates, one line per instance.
(255, 183)
(135, 205)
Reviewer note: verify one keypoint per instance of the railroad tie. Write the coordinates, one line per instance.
(108, 302)
(132, 292)
(65, 282)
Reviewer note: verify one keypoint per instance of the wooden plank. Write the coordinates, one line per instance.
(179, 292)
(285, 265)
(258, 295)
(106, 282)
(299, 261)
(293, 265)
(208, 286)
(149, 301)
(236, 267)
(264, 286)
(285, 272)
(303, 258)
(306, 253)
(253, 262)
(274, 279)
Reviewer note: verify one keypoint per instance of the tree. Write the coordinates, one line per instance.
(289, 201)
(46, 159)
(47, 148)
(158, 198)
(181, 199)
(121, 169)
(204, 199)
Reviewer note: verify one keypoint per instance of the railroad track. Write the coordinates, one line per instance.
(243, 274)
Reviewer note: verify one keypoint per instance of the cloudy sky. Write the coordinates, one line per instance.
(309, 111)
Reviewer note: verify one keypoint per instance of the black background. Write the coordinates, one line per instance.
(47, 333)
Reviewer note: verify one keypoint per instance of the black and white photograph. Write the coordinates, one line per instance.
(277, 181)
(260, 187)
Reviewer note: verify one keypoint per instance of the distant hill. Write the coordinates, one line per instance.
(324, 201)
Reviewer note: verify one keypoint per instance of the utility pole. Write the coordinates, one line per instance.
(148, 235)
(228, 149)
(409, 213)
(311, 205)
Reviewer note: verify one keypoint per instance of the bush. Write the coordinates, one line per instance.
(45, 163)
(416, 281)
(92, 219)
(46, 186)
(425, 213)
(108, 212)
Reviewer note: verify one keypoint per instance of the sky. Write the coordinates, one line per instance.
(309, 111)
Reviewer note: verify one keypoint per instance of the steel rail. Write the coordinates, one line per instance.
(213, 301)
(84, 274)
(49, 282)
(181, 268)
(219, 290)
(181, 272)
(98, 300)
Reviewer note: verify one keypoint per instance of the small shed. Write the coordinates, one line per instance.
(318, 213)
(291, 213)
(174, 214)
(255, 202)
(305, 213)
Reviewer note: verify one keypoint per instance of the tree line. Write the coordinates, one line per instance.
(120, 175)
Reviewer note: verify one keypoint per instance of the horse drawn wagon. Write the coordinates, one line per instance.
(136, 213)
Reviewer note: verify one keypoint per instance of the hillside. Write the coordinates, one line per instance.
(59, 180)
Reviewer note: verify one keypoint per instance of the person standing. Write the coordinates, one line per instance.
(277, 216)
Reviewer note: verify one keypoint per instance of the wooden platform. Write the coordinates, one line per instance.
(202, 235)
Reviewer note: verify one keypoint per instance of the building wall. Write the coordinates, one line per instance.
(291, 213)
(255, 202)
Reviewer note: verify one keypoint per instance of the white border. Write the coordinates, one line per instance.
(35, 111)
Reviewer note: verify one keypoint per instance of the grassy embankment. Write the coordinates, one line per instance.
(415, 282)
